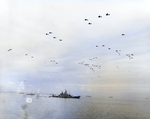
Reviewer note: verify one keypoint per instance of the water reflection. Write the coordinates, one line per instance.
(25, 112)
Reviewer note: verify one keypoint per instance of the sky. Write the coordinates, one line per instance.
(90, 59)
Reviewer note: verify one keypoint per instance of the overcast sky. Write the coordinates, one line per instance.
(90, 59)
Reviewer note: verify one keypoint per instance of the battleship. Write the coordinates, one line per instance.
(65, 95)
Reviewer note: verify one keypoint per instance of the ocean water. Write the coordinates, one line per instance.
(17, 106)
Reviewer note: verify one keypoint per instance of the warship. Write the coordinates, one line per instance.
(65, 95)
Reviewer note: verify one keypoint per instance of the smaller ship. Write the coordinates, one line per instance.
(87, 96)
(110, 96)
(21, 93)
(66, 95)
(30, 94)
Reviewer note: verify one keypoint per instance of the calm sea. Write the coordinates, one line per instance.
(15, 106)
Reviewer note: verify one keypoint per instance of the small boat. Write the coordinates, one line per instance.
(65, 95)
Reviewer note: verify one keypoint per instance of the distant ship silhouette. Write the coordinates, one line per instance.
(66, 95)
